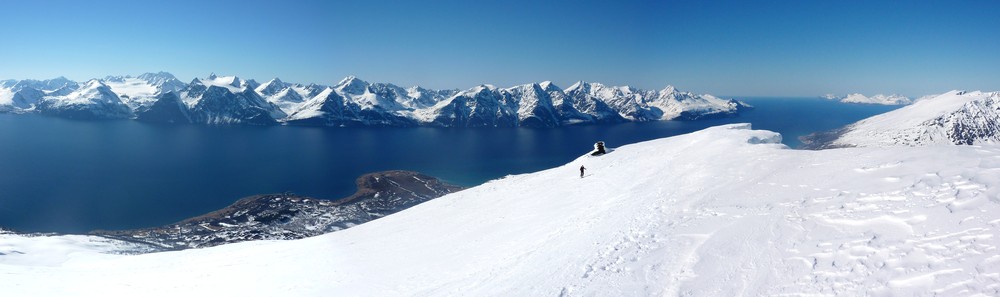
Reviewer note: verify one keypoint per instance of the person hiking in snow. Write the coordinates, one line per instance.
(581, 170)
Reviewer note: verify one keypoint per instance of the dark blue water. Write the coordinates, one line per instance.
(74, 176)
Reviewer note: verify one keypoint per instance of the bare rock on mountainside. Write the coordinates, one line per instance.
(230, 100)
(288, 216)
(952, 118)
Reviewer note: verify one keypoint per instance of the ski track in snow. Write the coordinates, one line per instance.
(703, 214)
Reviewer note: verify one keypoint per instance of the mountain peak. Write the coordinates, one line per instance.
(237, 82)
(548, 86)
(352, 85)
(271, 87)
(959, 118)
(94, 83)
(579, 85)
(350, 79)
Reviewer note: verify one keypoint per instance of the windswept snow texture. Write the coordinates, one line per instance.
(230, 100)
(956, 117)
(727, 211)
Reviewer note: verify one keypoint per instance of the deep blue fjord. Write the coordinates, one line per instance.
(60, 175)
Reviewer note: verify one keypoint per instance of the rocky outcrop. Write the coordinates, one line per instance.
(289, 216)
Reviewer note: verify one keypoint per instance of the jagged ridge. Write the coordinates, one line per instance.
(956, 117)
(230, 100)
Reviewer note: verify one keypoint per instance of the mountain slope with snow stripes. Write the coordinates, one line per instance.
(956, 117)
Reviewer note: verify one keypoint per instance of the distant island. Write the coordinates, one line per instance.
(882, 99)
(230, 100)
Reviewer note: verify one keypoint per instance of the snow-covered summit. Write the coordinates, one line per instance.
(232, 82)
(384, 104)
(351, 85)
(721, 212)
(165, 81)
(643, 105)
(92, 100)
(955, 117)
(271, 87)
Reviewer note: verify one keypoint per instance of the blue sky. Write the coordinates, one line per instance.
(735, 48)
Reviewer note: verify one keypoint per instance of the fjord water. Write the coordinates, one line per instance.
(69, 176)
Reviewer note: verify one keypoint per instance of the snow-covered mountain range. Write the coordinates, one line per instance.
(955, 117)
(893, 99)
(727, 211)
(227, 100)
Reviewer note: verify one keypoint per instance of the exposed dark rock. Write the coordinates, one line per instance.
(168, 108)
(599, 149)
(220, 106)
(822, 140)
(288, 216)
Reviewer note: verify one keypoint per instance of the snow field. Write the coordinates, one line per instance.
(727, 211)
(935, 120)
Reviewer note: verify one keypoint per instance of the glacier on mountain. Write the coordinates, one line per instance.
(141, 91)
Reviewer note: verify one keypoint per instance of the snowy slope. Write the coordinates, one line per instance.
(288, 97)
(482, 106)
(55, 250)
(955, 117)
(686, 105)
(91, 100)
(233, 83)
(6, 99)
(24, 95)
(643, 105)
(359, 103)
(726, 211)
(227, 100)
(535, 106)
(141, 91)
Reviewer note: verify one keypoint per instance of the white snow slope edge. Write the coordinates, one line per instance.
(727, 211)
(955, 117)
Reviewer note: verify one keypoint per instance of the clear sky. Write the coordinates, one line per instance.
(734, 48)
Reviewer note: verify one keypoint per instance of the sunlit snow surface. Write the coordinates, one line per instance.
(726, 211)
(953, 117)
